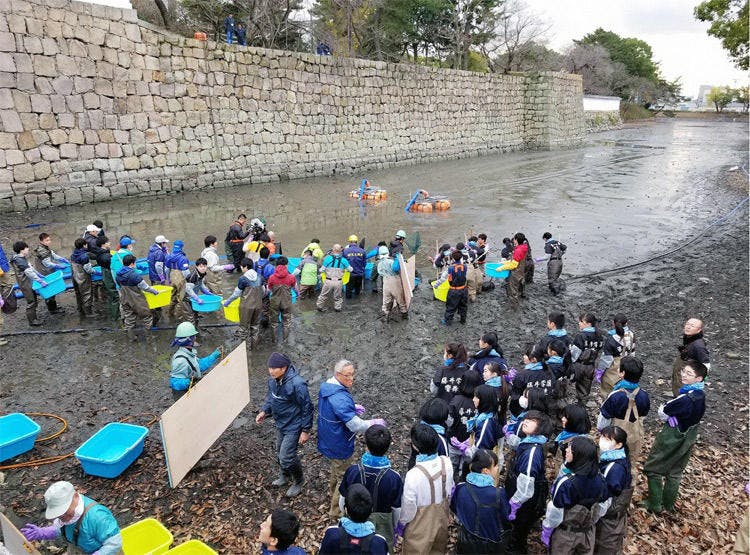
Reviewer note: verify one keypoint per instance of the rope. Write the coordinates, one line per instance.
(87, 330)
(57, 458)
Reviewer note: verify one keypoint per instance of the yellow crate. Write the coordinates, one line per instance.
(146, 537)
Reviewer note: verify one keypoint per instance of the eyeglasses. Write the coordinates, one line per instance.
(347, 376)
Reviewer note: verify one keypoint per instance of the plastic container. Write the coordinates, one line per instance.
(293, 264)
(112, 449)
(141, 264)
(192, 547)
(232, 312)
(491, 270)
(55, 285)
(441, 293)
(17, 435)
(368, 270)
(211, 303)
(162, 299)
(146, 537)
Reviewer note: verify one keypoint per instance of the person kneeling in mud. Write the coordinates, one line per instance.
(186, 366)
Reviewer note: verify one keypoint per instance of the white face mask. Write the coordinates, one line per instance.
(606, 444)
(77, 513)
(524, 402)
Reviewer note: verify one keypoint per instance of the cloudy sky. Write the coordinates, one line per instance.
(679, 42)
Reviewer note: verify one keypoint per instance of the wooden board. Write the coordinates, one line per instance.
(198, 418)
(407, 274)
(13, 539)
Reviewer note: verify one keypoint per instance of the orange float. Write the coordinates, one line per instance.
(200, 35)
(367, 192)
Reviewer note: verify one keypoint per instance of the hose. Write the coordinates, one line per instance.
(57, 458)
(85, 330)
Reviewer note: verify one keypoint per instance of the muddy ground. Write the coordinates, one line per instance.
(91, 379)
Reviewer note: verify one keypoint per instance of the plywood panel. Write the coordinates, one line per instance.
(407, 274)
(195, 421)
(13, 539)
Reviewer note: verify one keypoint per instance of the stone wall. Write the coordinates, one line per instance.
(95, 104)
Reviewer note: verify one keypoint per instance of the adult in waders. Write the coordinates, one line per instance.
(517, 267)
(334, 265)
(693, 348)
(81, 270)
(555, 249)
(25, 276)
(308, 274)
(87, 526)
(235, 239)
(619, 342)
(215, 270)
(133, 305)
(280, 286)
(186, 367)
(177, 266)
(7, 280)
(393, 290)
(458, 297)
(250, 291)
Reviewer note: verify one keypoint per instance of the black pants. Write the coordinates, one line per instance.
(458, 299)
(237, 254)
(354, 287)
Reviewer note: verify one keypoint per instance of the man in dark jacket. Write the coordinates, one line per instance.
(235, 239)
(288, 402)
(357, 258)
(555, 249)
(693, 348)
(338, 423)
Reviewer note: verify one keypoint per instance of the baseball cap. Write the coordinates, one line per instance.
(125, 241)
(161, 239)
(92, 228)
(58, 498)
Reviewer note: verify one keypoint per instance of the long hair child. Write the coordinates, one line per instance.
(460, 411)
(614, 464)
(448, 375)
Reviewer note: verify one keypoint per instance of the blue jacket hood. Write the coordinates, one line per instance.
(327, 389)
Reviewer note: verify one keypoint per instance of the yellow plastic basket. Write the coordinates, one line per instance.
(162, 299)
(344, 278)
(192, 547)
(441, 293)
(232, 312)
(146, 537)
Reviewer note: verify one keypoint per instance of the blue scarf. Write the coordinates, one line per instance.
(589, 328)
(437, 427)
(447, 361)
(497, 381)
(625, 384)
(554, 359)
(477, 421)
(533, 366)
(697, 386)
(557, 333)
(480, 480)
(374, 461)
(565, 434)
(425, 458)
(521, 416)
(565, 470)
(612, 455)
(534, 439)
(186, 342)
(357, 529)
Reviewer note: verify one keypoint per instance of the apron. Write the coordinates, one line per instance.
(633, 429)
(427, 534)
(251, 301)
(132, 297)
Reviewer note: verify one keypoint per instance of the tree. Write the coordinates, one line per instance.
(742, 96)
(635, 54)
(729, 23)
(515, 30)
(593, 64)
(720, 97)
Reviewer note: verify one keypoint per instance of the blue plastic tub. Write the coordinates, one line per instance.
(141, 264)
(112, 449)
(491, 270)
(17, 435)
(293, 264)
(55, 285)
(211, 303)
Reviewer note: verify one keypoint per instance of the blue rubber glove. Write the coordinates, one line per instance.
(33, 533)
(546, 535)
(513, 510)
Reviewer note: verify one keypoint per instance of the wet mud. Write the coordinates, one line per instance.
(625, 197)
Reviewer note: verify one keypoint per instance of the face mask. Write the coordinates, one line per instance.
(605, 444)
(524, 402)
(77, 513)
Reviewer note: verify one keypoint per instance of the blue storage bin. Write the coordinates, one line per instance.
(211, 303)
(112, 449)
(141, 264)
(368, 270)
(17, 435)
(293, 264)
(97, 275)
(55, 285)
(491, 270)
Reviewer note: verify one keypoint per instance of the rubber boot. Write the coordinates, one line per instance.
(653, 503)
(34, 321)
(282, 480)
(671, 489)
(298, 479)
(404, 315)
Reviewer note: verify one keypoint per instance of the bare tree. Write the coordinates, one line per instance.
(515, 29)
(593, 64)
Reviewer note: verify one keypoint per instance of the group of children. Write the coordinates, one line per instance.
(486, 417)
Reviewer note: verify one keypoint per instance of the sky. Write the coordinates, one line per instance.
(679, 42)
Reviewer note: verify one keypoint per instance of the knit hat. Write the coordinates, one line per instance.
(277, 360)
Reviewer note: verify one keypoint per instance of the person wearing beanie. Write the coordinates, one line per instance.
(85, 524)
(288, 403)
(354, 533)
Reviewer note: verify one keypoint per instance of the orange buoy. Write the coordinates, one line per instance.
(200, 35)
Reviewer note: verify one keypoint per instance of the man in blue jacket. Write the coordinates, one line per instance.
(288, 402)
(357, 258)
(338, 422)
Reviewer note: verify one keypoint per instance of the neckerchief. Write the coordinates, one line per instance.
(374, 461)
(437, 427)
(534, 439)
(477, 421)
(697, 386)
(565, 434)
(625, 384)
(521, 416)
(589, 329)
(612, 455)
(357, 529)
(447, 361)
(497, 381)
(533, 366)
(554, 359)
(557, 333)
(480, 480)
(425, 458)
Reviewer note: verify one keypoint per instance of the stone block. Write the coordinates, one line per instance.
(11, 121)
(69, 150)
(6, 99)
(14, 157)
(58, 136)
(45, 66)
(7, 42)
(23, 173)
(26, 141)
(49, 153)
(41, 104)
(66, 65)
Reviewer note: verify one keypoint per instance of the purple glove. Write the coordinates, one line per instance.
(546, 535)
(399, 532)
(377, 422)
(227, 303)
(2, 301)
(510, 376)
(672, 421)
(463, 447)
(747, 488)
(43, 283)
(228, 267)
(507, 432)
(359, 410)
(198, 300)
(61, 266)
(599, 374)
(32, 532)
(513, 510)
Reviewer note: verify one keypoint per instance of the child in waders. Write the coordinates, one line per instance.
(45, 262)
(627, 405)
(584, 351)
(308, 274)
(575, 422)
(278, 532)
(186, 366)
(458, 296)
(280, 285)
(216, 270)
(447, 379)
(619, 342)
(481, 509)
(558, 362)
(489, 351)
(614, 464)
(133, 305)
(555, 330)
(579, 498)
(384, 484)
(434, 413)
(25, 276)
(460, 411)
(81, 269)
(104, 260)
(195, 283)
(533, 399)
(486, 429)
(250, 291)
(354, 533)
(526, 483)
(673, 445)
(534, 374)
(425, 516)
(177, 266)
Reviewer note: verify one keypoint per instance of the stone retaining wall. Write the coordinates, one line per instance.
(95, 104)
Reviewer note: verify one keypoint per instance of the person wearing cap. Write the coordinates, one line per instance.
(133, 304)
(393, 291)
(334, 265)
(307, 270)
(85, 524)
(116, 262)
(178, 266)
(356, 257)
(157, 253)
(288, 403)
(90, 235)
(397, 245)
(186, 366)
